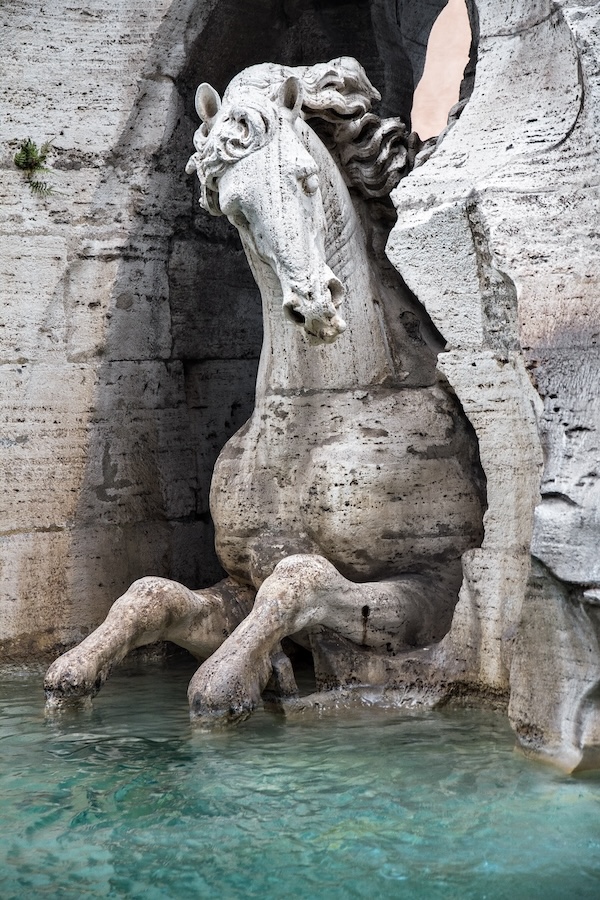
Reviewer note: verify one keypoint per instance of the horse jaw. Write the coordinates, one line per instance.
(327, 334)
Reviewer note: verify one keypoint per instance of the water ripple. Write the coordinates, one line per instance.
(128, 800)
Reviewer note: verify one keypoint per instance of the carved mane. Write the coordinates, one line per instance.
(372, 153)
(337, 98)
(240, 131)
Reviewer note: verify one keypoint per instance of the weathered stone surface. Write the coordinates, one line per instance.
(348, 498)
(104, 464)
(108, 285)
(121, 377)
(510, 191)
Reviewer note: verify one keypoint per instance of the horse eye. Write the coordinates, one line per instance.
(310, 183)
(239, 219)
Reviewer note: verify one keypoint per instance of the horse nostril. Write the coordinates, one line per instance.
(336, 290)
(294, 315)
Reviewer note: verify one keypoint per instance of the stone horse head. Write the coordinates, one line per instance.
(254, 165)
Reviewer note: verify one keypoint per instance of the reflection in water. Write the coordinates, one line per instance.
(126, 799)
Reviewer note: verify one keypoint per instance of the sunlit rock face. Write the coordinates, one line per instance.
(119, 384)
(497, 236)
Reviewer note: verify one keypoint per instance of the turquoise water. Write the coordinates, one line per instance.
(127, 800)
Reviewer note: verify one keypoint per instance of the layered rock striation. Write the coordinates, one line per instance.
(497, 236)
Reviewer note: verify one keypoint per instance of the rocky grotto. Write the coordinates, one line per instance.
(414, 495)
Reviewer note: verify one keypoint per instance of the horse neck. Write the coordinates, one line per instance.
(360, 357)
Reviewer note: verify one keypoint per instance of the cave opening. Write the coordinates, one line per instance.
(215, 304)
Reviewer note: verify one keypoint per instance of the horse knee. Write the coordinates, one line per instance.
(146, 606)
(148, 586)
(306, 575)
(293, 594)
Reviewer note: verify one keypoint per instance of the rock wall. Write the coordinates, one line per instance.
(497, 236)
(130, 324)
(120, 379)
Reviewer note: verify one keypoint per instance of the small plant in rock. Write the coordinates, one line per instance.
(31, 161)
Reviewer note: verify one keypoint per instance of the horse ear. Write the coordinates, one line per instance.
(208, 102)
(290, 94)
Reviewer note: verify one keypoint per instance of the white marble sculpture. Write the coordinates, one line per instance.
(343, 506)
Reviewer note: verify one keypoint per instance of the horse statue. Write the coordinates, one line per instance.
(343, 506)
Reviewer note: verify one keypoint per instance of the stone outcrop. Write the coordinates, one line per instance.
(117, 391)
(497, 236)
(131, 325)
(120, 380)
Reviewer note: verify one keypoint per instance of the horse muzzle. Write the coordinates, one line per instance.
(318, 318)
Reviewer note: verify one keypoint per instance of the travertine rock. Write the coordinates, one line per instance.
(496, 236)
(348, 498)
(107, 447)
(130, 326)
(117, 391)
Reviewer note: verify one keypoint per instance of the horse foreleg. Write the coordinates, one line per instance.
(152, 609)
(305, 591)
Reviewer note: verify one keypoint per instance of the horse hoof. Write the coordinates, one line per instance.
(222, 701)
(67, 684)
(209, 716)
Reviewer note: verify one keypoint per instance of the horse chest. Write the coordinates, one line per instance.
(367, 479)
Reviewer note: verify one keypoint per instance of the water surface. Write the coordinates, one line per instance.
(128, 800)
